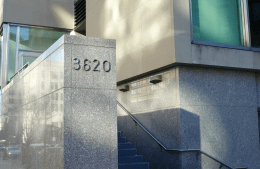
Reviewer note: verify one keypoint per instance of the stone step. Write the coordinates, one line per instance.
(127, 152)
(143, 165)
(127, 156)
(124, 145)
(130, 159)
(121, 140)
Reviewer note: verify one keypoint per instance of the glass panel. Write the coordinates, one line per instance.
(217, 21)
(28, 59)
(38, 39)
(27, 56)
(12, 52)
(254, 14)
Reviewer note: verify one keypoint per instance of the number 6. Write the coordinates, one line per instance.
(85, 64)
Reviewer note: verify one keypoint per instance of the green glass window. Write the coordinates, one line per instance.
(28, 59)
(217, 21)
(38, 39)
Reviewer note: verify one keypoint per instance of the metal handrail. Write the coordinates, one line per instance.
(178, 150)
(24, 67)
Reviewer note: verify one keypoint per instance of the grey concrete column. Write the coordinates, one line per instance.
(90, 117)
(68, 98)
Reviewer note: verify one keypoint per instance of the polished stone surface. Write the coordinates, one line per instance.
(59, 117)
(214, 110)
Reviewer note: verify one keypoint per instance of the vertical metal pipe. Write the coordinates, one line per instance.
(17, 49)
(245, 22)
(4, 71)
(1, 60)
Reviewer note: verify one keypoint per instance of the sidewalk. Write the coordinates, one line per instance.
(10, 163)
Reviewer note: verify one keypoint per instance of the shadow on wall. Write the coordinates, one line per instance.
(166, 127)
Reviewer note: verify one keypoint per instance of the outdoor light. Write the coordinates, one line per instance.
(124, 88)
(156, 79)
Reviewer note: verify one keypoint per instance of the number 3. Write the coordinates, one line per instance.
(76, 59)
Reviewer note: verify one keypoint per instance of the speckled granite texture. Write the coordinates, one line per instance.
(214, 110)
(90, 119)
(62, 117)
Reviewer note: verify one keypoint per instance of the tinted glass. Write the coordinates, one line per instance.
(38, 39)
(28, 59)
(217, 21)
(254, 15)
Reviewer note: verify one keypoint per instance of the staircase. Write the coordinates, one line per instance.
(127, 156)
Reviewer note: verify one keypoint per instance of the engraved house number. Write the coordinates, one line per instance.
(87, 66)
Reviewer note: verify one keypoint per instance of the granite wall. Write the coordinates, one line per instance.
(226, 102)
(59, 112)
(214, 110)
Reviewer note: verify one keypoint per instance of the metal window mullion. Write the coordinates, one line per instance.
(248, 23)
(7, 50)
(2, 39)
(17, 49)
(245, 23)
(191, 21)
(5, 47)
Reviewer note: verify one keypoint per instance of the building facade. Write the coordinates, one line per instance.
(207, 53)
(203, 111)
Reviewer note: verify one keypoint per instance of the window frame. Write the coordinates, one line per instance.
(5, 29)
(245, 26)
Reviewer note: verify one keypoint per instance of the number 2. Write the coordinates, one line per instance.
(95, 69)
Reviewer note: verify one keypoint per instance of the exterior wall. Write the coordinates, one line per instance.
(143, 29)
(157, 157)
(49, 13)
(34, 107)
(226, 103)
(224, 57)
(2, 10)
(258, 89)
(215, 111)
(152, 34)
(49, 104)
(155, 106)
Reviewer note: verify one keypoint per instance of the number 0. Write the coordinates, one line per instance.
(104, 66)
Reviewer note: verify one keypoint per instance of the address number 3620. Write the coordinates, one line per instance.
(87, 66)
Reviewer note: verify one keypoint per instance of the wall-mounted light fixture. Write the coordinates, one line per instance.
(156, 79)
(124, 88)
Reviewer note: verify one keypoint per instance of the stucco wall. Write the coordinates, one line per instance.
(51, 13)
(152, 34)
(1, 10)
(143, 30)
